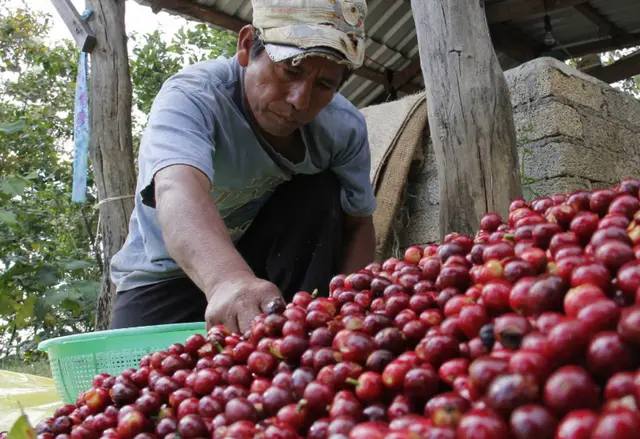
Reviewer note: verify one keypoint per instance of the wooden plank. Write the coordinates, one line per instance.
(470, 114)
(595, 17)
(605, 45)
(499, 13)
(83, 35)
(622, 69)
(405, 75)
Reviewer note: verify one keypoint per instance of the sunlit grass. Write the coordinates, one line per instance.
(38, 367)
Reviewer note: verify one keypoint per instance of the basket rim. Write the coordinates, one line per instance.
(137, 330)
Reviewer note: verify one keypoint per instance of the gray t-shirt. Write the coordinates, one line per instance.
(199, 119)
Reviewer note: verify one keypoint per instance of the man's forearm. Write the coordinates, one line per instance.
(359, 244)
(195, 234)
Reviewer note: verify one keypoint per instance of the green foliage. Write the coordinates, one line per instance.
(155, 59)
(49, 275)
(40, 229)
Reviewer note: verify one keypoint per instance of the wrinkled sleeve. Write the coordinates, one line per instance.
(352, 165)
(179, 132)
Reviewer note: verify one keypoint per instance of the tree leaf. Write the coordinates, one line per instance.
(89, 289)
(21, 429)
(25, 311)
(13, 185)
(71, 305)
(85, 287)
(31, 175)
(73, 291)
(74, 264)
(46, 276)
(8, 217)
(14, 127)
(7, 305)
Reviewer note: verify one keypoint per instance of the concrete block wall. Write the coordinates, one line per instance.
(574, 132)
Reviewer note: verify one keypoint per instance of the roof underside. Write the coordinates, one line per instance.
(517, 29)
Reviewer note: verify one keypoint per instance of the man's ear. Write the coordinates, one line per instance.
(245, 40)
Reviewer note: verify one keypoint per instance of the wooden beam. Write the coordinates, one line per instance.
(380, 78)
(622, 69)
(204, 13)
(83, 35)
(405, 75)
(595, 17)
(499, 13)
(605, 45)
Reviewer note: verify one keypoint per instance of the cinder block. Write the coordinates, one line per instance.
(571, 159)
(552, 119)
(576, 89)
(423, 228)
(621, 106)
(544, 77)
(599, 132)
(543, 188)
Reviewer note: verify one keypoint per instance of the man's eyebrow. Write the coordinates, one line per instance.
(329, 79)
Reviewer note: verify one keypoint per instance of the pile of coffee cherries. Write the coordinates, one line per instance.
(528, 330)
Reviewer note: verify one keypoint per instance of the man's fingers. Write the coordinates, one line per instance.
(245, 318)
(231, 323)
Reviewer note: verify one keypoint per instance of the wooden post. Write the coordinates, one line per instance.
(470, 113)
(111, 144)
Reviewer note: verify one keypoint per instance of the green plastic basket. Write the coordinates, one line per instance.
(76, 359)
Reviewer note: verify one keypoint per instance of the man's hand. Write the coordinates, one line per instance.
(199, 241)
(237, 300)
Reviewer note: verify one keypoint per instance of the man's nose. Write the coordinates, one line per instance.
(300, 94)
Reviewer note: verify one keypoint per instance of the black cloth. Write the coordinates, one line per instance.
(295, 242)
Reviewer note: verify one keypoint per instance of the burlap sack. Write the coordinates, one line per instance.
(395, 133)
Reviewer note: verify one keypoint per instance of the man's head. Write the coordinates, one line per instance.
(297, 53)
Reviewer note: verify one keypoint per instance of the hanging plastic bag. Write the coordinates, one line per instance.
(36, 395)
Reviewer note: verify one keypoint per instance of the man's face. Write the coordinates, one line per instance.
(283, 97)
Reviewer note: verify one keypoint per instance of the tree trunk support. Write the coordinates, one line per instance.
(469, 111)
(111, 144)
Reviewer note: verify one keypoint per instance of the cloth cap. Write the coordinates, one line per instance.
(295, 29)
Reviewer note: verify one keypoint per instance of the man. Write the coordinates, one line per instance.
(253, 175)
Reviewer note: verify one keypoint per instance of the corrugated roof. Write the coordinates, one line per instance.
(392, 42)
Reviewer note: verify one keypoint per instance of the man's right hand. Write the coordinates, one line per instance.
(237, 300)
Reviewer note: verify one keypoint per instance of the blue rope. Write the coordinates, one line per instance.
(81, 127)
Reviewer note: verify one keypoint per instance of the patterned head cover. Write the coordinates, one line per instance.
(295, 29)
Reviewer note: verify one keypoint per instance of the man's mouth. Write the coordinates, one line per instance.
(285, 119)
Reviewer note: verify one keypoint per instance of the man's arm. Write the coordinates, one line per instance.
(192, 228)
(198, 240)
(359, 243)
